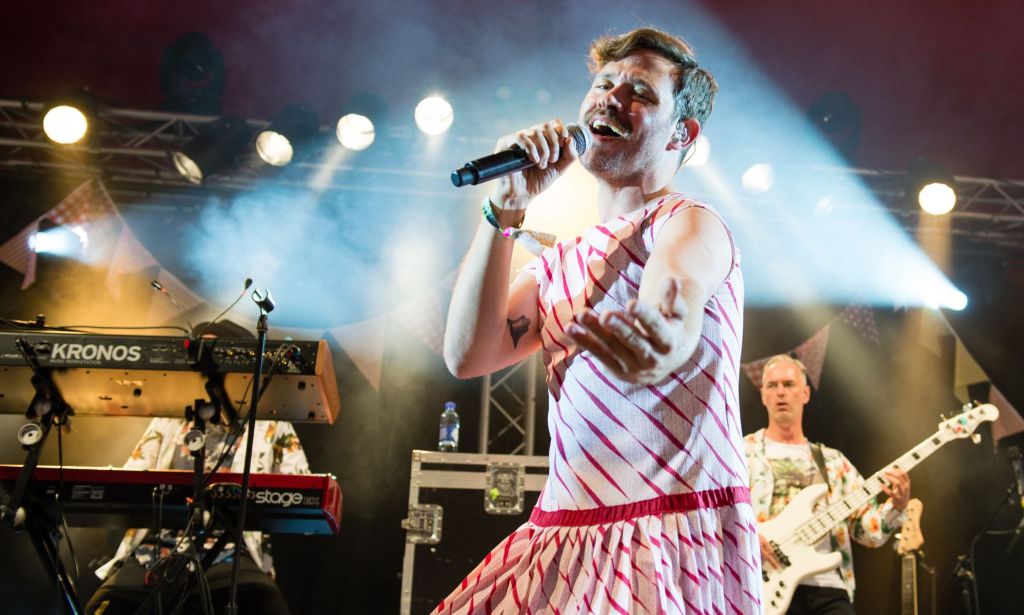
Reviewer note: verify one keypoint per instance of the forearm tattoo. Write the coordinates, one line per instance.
(518, 328)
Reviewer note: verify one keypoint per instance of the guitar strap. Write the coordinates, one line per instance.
(819, 459)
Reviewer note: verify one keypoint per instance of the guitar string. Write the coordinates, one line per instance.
(796, 537)
(910, 459)
(873, 485)
(867, 490)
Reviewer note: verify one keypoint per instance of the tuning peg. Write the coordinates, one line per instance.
(975, 438)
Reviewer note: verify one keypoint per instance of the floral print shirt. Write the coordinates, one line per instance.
(276, 450)
(871, 526)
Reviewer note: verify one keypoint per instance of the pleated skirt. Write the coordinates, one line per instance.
(704, 561)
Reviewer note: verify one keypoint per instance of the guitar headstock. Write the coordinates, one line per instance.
(910, 538)
(963, 425)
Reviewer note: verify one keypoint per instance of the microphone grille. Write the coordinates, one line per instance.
(580, 137)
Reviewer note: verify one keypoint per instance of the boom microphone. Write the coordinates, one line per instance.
(248, 283)
(510, 160)
(157, 286)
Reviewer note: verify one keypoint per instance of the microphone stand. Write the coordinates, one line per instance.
(1017, 531)
(265, 304)
(963, 571)
(47, 410)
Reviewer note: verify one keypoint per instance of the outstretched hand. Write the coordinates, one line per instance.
(642, 344)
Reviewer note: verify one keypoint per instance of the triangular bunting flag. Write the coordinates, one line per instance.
(363, 342)
(425, 319)
(15, 251)
(754, 370)
(812, 354)
(966, 372)
(129, 256)
(1010, 422)
(86, 206)
(861, 318)
(932, 327)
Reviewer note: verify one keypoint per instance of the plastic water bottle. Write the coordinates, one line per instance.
(448, 434)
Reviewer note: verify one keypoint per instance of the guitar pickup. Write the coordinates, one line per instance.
(779, 555)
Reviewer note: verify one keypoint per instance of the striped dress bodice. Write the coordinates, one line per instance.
(614, 443)
(646, 509)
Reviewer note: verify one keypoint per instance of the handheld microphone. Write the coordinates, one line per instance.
(157, 286)
(248, 283)
(506, 162)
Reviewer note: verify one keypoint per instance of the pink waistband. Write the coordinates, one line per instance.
(679, 502)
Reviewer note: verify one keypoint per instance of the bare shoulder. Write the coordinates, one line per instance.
(694, 244)
(693, 221)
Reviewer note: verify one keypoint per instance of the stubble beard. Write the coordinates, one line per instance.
(784, 418)
(617, 167)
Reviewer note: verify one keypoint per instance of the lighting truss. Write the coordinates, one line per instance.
(989, 211)
(508, 409)
(129, 150)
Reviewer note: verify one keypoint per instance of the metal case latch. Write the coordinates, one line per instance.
(423, 527)
(506, 484)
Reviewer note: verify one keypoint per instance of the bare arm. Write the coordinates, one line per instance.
(492, 324)
(656, 334)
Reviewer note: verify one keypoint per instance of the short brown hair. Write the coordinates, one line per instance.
(694, 88)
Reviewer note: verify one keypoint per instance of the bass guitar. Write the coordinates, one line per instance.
(794, 533)
(907, 544)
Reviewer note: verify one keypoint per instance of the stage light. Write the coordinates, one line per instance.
(931, 186)
(356, 132)
(955, 300)
(66, 118)
(759, 178)
(937, 198)
(364, 117)
(700, 152)
(67, 241)
(274, 148)
(214, 149)
(65, 124)
(289, 131)
(434, 115)
(945, 296)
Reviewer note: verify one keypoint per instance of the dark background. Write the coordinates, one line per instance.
(931, 77)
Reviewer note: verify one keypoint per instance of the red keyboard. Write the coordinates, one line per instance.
(115, 497)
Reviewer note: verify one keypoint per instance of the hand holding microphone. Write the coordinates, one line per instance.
(541, 152)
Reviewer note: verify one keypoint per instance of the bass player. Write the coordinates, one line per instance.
(782, 462)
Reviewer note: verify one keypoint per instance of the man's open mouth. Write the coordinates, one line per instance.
(606, 128)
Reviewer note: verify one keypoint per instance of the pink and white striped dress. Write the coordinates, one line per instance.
(646, 507)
